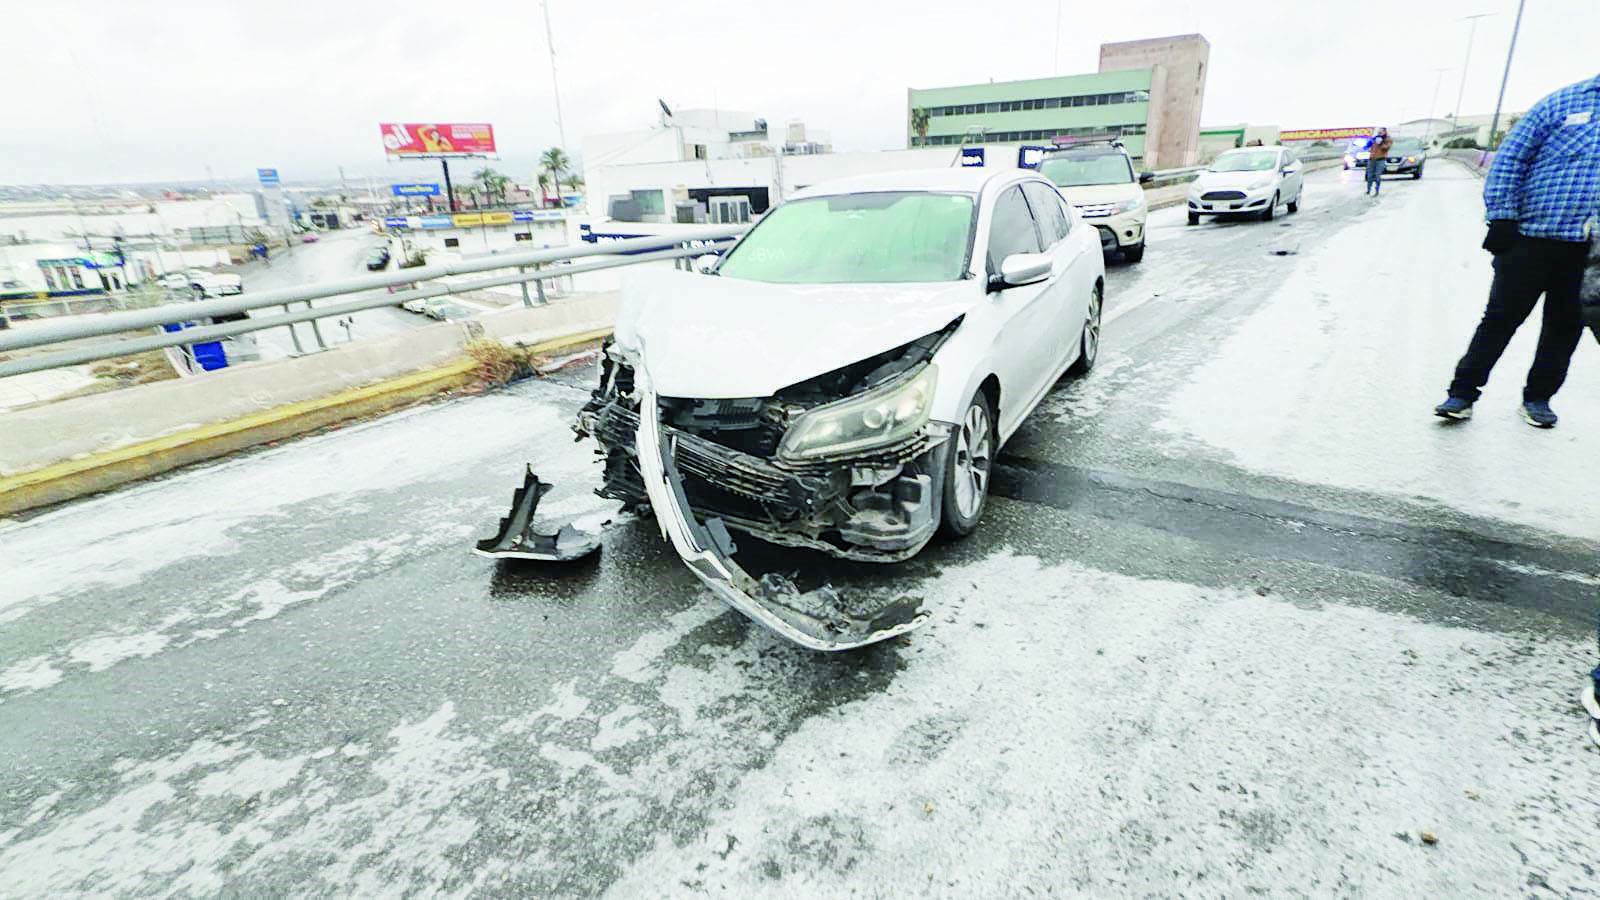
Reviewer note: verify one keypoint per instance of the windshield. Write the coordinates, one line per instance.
(1406, 147)
(1079, 171)
(890, 237)
(1246, 161)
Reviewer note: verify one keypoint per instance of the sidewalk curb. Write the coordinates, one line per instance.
(70, 479)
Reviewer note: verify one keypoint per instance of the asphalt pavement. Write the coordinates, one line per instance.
(334, 256)
(1241, 617)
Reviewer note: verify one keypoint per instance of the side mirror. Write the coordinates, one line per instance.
(1019, 269)
(705, 264)
(1146, 177)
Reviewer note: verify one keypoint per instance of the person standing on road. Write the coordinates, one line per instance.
(1589, 295)
(1377, 160)
(1542, 200)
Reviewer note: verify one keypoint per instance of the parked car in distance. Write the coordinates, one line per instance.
(308, 238)
(1250, 181)
(1100, 182)
(377, 259)
(415, 306)
(447, 311)
(206, 284)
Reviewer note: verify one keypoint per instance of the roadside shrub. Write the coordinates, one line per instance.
(497, 363)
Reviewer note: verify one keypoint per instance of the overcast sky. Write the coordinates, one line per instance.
(141, 91)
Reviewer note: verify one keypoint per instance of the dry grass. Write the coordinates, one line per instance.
(497, 363)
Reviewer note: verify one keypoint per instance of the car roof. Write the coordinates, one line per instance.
(956, 179)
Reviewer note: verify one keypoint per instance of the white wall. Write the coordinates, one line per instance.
(169, 215)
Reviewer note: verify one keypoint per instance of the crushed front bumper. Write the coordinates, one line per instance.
(819, 620)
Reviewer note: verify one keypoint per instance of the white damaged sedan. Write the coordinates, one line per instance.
(841, 380)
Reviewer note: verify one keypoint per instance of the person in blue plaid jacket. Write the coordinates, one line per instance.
(1542, 199)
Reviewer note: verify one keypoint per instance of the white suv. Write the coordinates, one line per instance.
(1099, 180)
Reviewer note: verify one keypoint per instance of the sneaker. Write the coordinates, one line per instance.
(1539, 414)
(1454, 408)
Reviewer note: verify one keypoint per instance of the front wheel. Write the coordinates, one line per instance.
(1271, 210)
(1417, 175)
(1133, 254)
(1294, 205)
(1194, 218)
(966, 469)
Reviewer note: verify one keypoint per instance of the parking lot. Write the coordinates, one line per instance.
(1242, 616)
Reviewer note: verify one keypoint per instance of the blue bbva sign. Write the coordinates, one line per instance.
(267, 177)
(972, 156)
(415, 190)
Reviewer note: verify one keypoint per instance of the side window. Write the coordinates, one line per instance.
(1011, 229)
(1047, 210)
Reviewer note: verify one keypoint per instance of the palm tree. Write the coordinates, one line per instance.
(544, 188)
(493, 183)
(919, 124)
(574, 182)
(555, 162)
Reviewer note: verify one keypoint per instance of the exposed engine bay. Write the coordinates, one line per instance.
(877, 506)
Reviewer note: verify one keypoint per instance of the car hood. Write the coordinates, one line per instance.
(710, 337)
(1094, 194)
(1226, 181)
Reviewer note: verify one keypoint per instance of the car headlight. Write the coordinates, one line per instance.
(1128, 205)
(881, 416)
(1410, 160)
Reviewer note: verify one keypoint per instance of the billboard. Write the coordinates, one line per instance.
(437, 138)
(267, 177)
(1325, 134)
(415, 190)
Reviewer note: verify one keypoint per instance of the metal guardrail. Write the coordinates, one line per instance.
(529, 265)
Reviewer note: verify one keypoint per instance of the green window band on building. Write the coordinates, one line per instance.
(1038, 110)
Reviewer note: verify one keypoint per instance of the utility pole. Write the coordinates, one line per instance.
(1494, 123)
(561, 129)
(1466, 64)
(1055, 63)
(1433, 104)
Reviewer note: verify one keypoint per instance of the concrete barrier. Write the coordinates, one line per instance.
(58, 451)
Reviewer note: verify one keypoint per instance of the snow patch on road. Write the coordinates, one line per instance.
(1174, 735)
(33, 674)
(1334, 379)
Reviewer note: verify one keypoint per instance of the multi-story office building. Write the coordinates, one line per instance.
(1147, 94)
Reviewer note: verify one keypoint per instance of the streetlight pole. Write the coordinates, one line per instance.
(1494, 123)
(1466, 64)
(1434, 103)
(550, 42)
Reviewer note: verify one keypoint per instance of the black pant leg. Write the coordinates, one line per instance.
(1519, 278)
(1563, 323)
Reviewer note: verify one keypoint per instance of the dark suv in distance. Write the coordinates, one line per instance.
(1407, 157)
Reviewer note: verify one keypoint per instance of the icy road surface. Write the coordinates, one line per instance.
(1241, 617)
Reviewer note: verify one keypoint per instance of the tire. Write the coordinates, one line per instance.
(967, 469)
(1089, 338)
(1417, 175)
(1194, 218)
(1271, 211)
(1133, 254)
(1294, 205)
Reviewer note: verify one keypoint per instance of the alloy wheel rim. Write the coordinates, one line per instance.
(1091, 329)
(973, 456)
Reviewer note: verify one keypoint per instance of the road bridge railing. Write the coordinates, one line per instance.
(531, 267)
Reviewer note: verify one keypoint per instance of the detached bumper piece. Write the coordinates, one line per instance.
(817, 620)
(520, 537)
